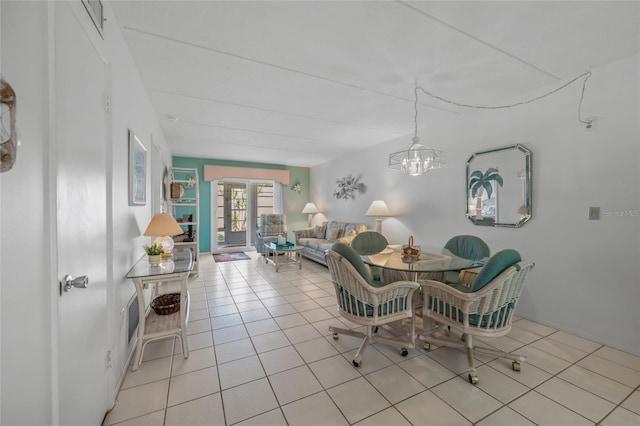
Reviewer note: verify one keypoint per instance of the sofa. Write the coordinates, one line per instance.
(317, 240)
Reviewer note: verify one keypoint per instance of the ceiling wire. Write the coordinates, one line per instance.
(586, 76)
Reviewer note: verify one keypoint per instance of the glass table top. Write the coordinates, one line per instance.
(181, 261)
(431, 260)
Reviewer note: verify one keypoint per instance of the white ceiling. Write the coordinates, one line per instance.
(303, 82)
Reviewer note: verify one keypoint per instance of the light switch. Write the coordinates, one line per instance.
(594, 213)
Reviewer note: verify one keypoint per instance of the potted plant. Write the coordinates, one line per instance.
(154, 253)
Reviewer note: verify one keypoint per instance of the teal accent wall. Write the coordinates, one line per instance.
(294, 202)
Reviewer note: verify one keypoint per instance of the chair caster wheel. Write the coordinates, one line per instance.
(355, 363)
(335, 336)
(473, 379)
(515, 365)
(426, 346)
(404, 351)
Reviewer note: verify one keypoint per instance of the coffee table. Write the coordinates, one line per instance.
(279, 256)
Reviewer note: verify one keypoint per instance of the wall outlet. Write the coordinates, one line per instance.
(594, 213)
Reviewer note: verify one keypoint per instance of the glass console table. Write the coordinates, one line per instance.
(170, 276)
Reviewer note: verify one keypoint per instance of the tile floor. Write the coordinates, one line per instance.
(261, 354)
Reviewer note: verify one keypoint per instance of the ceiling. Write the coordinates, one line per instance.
(303, 82)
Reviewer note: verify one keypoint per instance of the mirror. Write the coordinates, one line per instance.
(499, 187)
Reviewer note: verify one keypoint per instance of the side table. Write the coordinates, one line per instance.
(151, 326)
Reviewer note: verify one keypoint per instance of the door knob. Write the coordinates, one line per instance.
(68, 282)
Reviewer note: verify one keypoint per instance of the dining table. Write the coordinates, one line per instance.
(433, 263)
(431, 260)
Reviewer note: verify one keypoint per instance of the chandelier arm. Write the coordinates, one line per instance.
(415, 107)
(586, 76)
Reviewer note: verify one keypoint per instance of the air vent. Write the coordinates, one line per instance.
(133, 318)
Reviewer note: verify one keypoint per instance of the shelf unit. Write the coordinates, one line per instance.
(184, 202)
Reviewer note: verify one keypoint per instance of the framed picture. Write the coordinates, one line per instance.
(137, 171)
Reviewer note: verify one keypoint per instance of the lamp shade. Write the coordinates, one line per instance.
(379, 209)
(162, 224)
(310, 208)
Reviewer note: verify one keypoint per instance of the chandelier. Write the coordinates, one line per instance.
(417, 159)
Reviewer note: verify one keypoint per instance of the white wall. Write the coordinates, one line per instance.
(586, 279)
(24, 297)
(131, 110)
(27, 291)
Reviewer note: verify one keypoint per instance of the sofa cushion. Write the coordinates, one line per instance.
(353, 227)
(334, 230)
(347, 238)
(319, 231)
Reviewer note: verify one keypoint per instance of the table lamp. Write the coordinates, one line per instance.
(310, 208)
(379, 209)
(163, 226)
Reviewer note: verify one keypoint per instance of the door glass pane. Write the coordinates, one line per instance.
(238, 208)
(220, 213)
(264, 200)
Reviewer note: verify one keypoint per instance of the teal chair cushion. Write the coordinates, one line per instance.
(468, 247)
(369, 242)
(494, 267)
(354, 258)
(487, 320)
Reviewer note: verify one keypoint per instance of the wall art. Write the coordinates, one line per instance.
(137, 171)
(348, 187)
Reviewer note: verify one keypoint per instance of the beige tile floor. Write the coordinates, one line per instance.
(261, 354)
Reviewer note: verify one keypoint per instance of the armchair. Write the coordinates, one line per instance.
(367, 302)
(271, 227)
(485, 309)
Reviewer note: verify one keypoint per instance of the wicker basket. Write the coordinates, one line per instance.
(166, 304)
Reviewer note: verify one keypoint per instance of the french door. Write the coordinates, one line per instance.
(238, 210)
(235, 213)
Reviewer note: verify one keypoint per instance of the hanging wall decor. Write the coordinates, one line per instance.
(296, 187)
(8, 132)
(348, 187)
(137, 171)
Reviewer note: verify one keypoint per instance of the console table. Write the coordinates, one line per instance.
(172, 274)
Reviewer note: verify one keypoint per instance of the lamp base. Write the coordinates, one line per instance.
(379, 226)
(166, 242)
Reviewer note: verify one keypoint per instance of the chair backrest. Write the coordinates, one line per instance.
(354, 258)
(468, 247)
(369, 242)
(272, 224)
(494, 267)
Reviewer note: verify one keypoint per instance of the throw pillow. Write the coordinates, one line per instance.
(347, 239)
(319, 231)
(333, 234)
(333, 231)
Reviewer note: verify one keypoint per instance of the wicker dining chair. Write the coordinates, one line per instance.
(485, 309)
(367, 243)
(364, 301)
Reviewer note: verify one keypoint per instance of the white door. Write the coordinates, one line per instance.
(80, 122)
